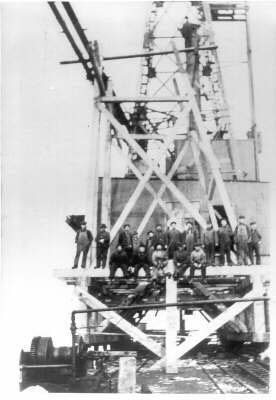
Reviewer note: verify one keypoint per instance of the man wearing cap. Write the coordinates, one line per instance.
(225, 240)
(241, 238)
(159, 237)
(209, 242)
(174, 238)
(102, 241)
(254, 243)
(83, 240)
(190, 237)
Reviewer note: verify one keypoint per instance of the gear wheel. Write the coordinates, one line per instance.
(41, 349)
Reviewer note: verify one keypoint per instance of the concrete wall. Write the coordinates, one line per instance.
(249, 198)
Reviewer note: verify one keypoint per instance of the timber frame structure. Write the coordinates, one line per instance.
(112, 126)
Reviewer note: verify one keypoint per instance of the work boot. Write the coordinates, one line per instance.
(74, 267)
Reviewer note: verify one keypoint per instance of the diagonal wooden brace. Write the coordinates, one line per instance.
(120, 322)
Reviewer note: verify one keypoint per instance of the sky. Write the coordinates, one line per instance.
(47, 119)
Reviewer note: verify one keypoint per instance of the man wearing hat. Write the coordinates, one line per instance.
(254, 243)
(241, 238)
(102, 242)
(125, 240)
(174, 238)
(83, 240)
(159, 237)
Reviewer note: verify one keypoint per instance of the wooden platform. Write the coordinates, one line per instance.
(252, 270)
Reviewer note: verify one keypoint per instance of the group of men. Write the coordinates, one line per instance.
(188, 249)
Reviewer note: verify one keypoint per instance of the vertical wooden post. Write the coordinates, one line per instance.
(106, 187)
(171, 324)
(127, 375)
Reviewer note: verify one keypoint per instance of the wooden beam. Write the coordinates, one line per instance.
(120, 322)
(203, 181)
(106, 187)
(162, 189)
(141, 99)
(177, 193)
(212, 326)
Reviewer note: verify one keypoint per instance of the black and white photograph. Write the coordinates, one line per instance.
(137, 155)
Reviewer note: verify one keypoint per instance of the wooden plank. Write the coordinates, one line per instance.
(120, 322)
(212, 326)
(176, 192)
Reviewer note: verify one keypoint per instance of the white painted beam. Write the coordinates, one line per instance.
(171, 326)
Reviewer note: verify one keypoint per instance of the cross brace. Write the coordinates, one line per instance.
(120, 322)
(212, 326)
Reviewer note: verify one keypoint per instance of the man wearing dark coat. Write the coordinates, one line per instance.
(174, 238)
(118, 259)
(102, 242)
(125, 240)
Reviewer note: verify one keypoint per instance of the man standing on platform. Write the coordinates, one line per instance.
(159, 237)
(125, 240)
(241, 238)
(209, 243)
(254, 243)
(225, 241)
(83, 240)
(174, 238)
(102, 241)
(190, 237)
